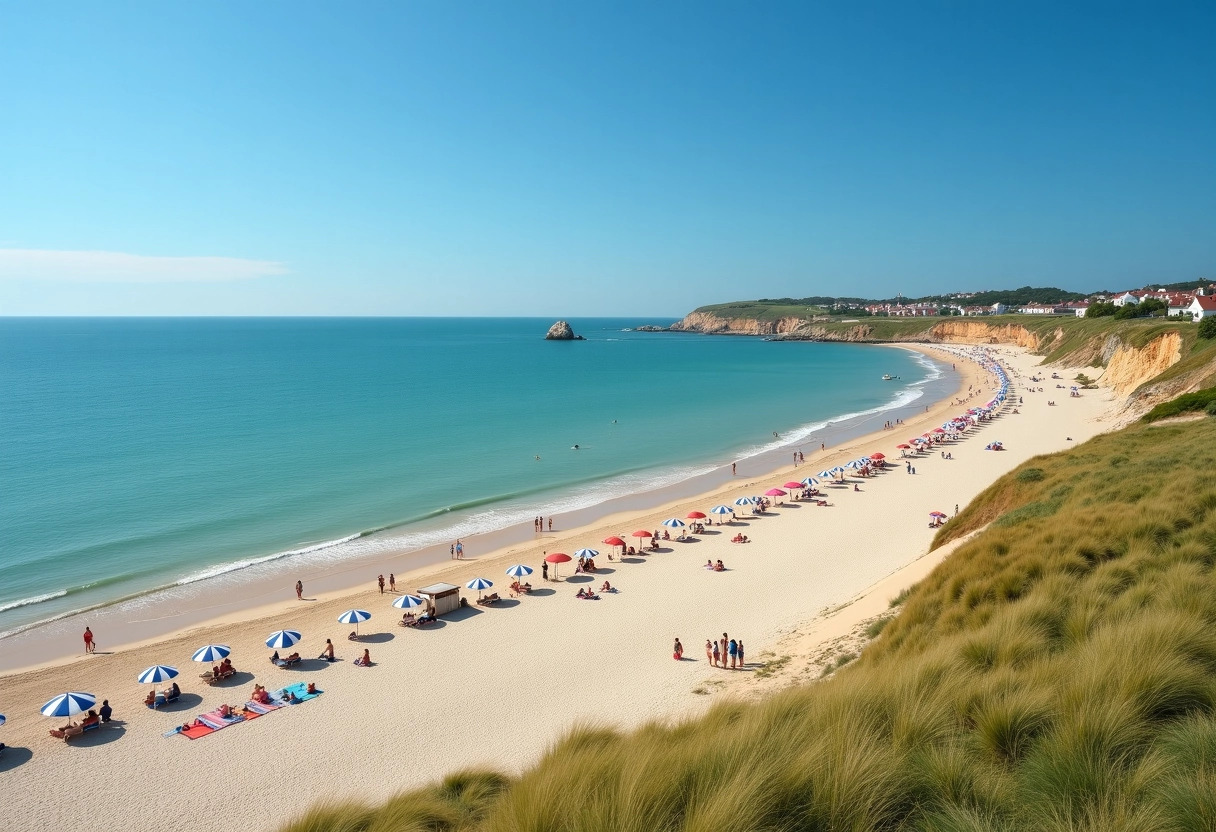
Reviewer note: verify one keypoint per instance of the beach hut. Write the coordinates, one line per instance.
(444, 598)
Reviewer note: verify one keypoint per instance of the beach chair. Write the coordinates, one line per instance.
(287, 662)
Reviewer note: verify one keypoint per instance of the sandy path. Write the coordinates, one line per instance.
(495, 686)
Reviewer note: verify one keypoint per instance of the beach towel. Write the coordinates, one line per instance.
(260, 709)
(300, 689)
(196, 731)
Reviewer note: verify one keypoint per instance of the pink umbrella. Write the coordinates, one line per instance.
(794, 485)
(774, 492)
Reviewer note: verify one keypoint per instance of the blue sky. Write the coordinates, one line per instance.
(437, 158)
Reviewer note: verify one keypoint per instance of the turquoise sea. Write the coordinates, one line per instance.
(146, 453)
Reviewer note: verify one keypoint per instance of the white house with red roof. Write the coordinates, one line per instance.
(1204, 306)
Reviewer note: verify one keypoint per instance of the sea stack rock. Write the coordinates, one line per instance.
(561, 331)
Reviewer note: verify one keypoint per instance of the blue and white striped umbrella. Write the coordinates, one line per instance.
(156, 674)
(745, 501)
(69, 704)
(2, 719)
(406, 602)
(479, 584)
(283, 638)
(721, 510)
(674, 523)
(521, 571)
(853, 464)
(354, 617)
(837, 470)
(827, 475)
(586, 553)
(810, 482)
(211, 653)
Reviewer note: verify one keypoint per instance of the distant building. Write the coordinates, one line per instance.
(1204, 306)
(1125, 298)
(999, 309)
(1080, 308)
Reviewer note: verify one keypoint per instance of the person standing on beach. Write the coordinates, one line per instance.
(459, 550)
(452, 550)
(677, 652)
(299, 590)
(714, 661)
(740, 654)
(380, 581)
(550, 524)
(89, 646)
(709, 652)
(732, 469)
(392, 583)
(733, 650)
(722, 646)
(544, 569)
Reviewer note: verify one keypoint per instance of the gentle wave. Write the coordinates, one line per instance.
(224, 568)
(37, 599)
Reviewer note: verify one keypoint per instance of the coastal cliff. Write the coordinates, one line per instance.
(711, 324)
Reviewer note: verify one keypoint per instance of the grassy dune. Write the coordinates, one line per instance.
(1058, 672)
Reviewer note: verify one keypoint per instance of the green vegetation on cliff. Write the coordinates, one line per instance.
(1056, 672)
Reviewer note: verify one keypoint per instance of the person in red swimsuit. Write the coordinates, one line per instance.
(89, 647)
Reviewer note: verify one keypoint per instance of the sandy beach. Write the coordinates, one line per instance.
(494, 686)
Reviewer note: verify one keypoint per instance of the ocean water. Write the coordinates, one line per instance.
(137, 454)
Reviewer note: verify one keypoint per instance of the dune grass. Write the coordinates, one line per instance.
(1057, 672)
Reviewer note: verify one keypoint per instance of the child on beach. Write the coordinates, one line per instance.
(677, 652)
(709, 651)
(717, 655)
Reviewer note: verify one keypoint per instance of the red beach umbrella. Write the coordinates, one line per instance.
(936, 514)
(903, 446)
(926, 435)
(878, 456)
(938, 430)
(642, 533)
(614, 541)
(695, 515)
(555, 559)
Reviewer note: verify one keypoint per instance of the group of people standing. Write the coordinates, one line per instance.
(392, 582)
(722, 650)
(538, 524)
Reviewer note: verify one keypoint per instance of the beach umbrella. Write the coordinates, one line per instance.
(745, 501)
(614, 541)
(938, 430)
(406, 602)
(695, 515)
(211, 653)
(774, 492)
(69, 704)
(673, 523)
(827, 475)
(354, 617)
(810, 482)
(586, 553)
(856, 463)
(878, 456)
(479, 584)
(721, 510)
(792, 484)
(837, 470)
(936, 514)
(283, 638)
(519, 571)
(156, 674)
(562, 557)
(2, 719)
(642, 533)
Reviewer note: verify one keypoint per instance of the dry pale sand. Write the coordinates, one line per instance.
(496, 686)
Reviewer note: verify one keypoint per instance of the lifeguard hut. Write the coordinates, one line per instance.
(443, 598)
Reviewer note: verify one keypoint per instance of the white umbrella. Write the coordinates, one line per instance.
(674, 523)
(69, 704)
(520, 571)
(211, 653)
(354, 617)
(406, 602)
(156, 674)
(283, 639)
(479, 584)
(586, 553)
(721, 510)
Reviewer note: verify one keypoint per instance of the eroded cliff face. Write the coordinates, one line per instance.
(978, 332)
(709, 323)
(1129, 367)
